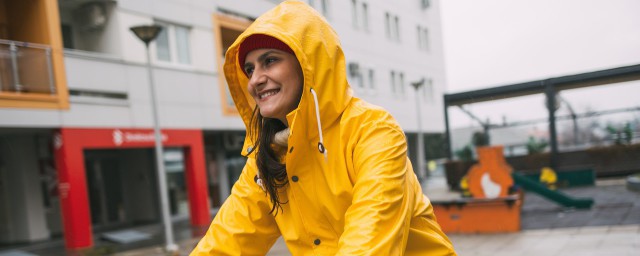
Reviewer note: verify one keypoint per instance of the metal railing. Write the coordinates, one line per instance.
(26, 68)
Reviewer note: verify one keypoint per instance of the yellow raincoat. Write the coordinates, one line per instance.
(360, 196)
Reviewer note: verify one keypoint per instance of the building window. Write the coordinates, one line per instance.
(372, 79)
(360, 15)
(428, 91)
(365, 16)
(354, 13)
(397, 28)
(226, 29)
(173, 44)
(397, 84)
(392, 25)
(387, 24)
(419, 34)
(393, 82)
(401, 83)
(423, 38)
(425, 4)
(325, 8)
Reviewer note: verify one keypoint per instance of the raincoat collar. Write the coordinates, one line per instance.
(317, 48)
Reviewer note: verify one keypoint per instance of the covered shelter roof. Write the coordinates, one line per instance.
(549, 87)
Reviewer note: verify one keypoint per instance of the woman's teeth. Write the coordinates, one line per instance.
(269, 93)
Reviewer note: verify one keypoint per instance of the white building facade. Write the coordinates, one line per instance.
(89, 148)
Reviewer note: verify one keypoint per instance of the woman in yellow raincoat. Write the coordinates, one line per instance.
(326, 171)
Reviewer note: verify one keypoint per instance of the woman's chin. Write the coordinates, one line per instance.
(267, 114)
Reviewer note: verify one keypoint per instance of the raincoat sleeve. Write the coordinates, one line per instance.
(378, 220)
(243, 225)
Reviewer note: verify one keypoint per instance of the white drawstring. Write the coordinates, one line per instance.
(321, 147)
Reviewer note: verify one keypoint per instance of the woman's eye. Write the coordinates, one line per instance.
(248, 70)
(270, 60)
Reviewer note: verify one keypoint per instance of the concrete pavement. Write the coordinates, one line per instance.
(620, 240)
(578, 241)
(611, 227)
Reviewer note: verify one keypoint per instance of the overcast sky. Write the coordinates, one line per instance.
(490, 43)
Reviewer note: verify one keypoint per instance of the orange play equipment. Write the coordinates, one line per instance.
(491, 176)
(491, 208)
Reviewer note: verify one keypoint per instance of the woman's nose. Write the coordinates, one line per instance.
(258, 78)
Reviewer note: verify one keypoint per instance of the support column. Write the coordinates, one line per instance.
(72, 187)
(196, 178)
(550, 94)
(447, 132)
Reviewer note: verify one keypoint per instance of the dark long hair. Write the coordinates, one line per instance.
(272, 172)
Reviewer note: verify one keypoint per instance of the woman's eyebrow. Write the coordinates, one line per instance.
(264, 56)
(260, 59)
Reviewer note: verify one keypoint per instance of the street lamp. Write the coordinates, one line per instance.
(148, 33)
(421, 169)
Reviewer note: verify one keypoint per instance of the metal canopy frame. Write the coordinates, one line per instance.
(550, 87)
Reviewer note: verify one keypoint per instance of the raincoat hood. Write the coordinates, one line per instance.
(317, 48)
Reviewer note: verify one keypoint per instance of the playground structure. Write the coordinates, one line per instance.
(495, 197)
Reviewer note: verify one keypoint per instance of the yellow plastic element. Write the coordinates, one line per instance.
(464, 186)
(549, 177)
(432, 165)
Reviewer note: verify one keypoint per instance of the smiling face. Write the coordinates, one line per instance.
(275, 82)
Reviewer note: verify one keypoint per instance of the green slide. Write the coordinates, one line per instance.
(556, 196)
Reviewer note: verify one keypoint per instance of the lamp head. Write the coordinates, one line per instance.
(146, 33)
(418, 84)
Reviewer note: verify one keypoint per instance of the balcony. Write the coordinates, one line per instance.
(26, 68)
(32, 70)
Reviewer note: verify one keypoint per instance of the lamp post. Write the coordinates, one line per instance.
(421, 168)
(148, 33)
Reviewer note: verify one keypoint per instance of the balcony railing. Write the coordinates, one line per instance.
(26, 68)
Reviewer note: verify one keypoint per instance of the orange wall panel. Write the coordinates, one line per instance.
(479, 215)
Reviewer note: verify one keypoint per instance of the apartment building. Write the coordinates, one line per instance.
(76, 137)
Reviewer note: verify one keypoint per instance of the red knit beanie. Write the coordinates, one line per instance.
(260, 41)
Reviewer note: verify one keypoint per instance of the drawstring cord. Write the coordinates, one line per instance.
(321, 147)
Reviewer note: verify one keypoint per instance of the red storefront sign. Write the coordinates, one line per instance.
(70, 144)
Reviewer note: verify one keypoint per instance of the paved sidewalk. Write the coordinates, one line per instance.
(612, 227)
(579, 241)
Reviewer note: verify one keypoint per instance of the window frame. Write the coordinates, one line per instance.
(172, 38)
(221, 21)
